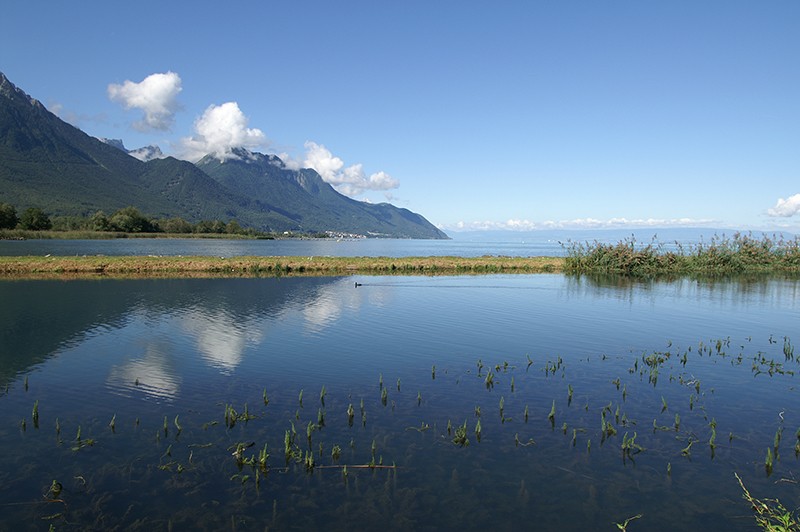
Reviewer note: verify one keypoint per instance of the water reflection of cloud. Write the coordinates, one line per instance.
(221, 339)
(331, 301)
(151, 375)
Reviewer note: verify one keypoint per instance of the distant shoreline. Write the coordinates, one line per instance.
(172, 266)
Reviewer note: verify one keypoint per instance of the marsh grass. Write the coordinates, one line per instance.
(738, 254)
(254, 266)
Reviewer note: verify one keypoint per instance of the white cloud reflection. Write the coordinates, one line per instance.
(152, 375)
(221, 339)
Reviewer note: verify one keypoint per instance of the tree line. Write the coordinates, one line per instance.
(126, 220)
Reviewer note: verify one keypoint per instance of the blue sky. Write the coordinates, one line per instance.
(477, 115)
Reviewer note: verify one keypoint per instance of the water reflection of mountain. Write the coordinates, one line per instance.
(39, 318)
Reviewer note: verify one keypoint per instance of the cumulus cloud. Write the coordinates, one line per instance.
(351, 180)
(785, 208)
(220, 130)
(156, 95)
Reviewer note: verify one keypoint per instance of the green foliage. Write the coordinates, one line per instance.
(130, 220)
(35, 219)
(8, 216)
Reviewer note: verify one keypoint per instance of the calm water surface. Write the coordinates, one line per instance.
(155, 355)
(531, 244)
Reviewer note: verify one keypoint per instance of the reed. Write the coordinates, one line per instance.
(739, 254)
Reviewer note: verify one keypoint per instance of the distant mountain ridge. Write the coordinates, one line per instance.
(145, 153)
(48, 163)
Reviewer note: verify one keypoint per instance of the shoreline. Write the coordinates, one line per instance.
(251, 266)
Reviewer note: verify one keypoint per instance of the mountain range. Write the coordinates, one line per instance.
(48, 163)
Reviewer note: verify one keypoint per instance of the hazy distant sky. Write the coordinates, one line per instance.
(497, 114)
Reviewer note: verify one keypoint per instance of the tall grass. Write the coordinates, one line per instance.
(740, 253)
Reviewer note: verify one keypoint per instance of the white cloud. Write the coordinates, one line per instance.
(219, 130)
(351, 180)
(156, 95)
(577, 223)
(785, 208)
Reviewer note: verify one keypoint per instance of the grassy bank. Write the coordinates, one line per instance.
(739, 254)
(253, 266)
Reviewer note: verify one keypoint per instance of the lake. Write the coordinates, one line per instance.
(481, 402)
(540, 243)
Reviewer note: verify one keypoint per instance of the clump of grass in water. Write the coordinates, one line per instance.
(35, 414)
(460, 437)
(768, 462)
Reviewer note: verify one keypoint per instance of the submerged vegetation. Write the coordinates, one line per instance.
(231, 451)
(739, 254)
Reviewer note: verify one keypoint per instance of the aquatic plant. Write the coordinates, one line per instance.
(687, 451)
(518, 443)
(35, 414)
(460, 437)
(263, 456)
(770, 514)
(322, 394)
(552, 415)
(624, 525)
(768, 461)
